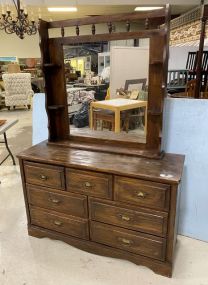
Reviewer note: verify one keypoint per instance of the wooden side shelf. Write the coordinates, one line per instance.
(51, 66)
(156, 62)
(56, 107)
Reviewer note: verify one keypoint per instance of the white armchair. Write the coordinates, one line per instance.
(18, 90)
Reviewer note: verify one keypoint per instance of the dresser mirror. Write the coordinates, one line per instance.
(114, 65)
(102, 79)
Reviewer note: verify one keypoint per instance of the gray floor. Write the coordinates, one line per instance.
(26, 260)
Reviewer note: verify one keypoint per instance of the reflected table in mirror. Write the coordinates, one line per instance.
(118, 105)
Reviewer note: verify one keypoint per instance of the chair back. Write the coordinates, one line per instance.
(190, 88)
(17, 83)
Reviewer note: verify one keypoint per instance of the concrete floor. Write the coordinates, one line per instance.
(26, 260)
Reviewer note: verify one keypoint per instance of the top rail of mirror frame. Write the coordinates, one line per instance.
(160, 13)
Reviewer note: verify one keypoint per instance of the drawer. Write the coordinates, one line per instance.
(89, 183)
(63, 224)
(152, 222)
(142, 193)
(127, 240)
(71, 204)
(44, 175)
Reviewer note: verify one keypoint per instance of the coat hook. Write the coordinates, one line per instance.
(77, 30)
(110, 27)
(128, 26)
(62, 32)
(146, 23)
(93, 29)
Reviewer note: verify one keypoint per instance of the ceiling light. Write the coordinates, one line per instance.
(147, 8)
(62, 9)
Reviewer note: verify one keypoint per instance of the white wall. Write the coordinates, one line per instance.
(11, 45)
(127, 63)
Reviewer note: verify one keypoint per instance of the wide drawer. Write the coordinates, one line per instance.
(89, 183)
(44, 175)
(63, 224)
(127, 240)
(152, 222)
(71, 204)
(142, 193)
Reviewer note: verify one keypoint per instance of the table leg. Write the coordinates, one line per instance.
(91, 117)
(9, 151)
(117, 121)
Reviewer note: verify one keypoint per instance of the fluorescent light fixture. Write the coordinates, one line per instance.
(147, 8)
(62, 9)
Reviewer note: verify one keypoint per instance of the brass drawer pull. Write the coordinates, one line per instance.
(125, 241)
(54, 201)
(124, 217)
(43, 177)
(58, 223)
(87, 184)
(141, 194)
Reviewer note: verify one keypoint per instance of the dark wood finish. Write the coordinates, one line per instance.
(127, 240)
(63, 224)
(70, 204)
(106, 19)
(116, 223)
(159, 267)
(44, 175)
(117, 164)
(54, 73)
(139, 219)
(142, 193)
(135, 213)
(89, 183)
(200, 56)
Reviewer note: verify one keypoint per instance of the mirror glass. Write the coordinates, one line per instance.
(107, 89)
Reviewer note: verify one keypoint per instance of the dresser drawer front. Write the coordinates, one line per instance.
(71, 204)
(142, 193)
(89, 183)
(128, 240)
(63, 224)
(154, 223)
(44, 175)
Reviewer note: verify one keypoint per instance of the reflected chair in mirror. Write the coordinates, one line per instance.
(18, 90)
(190, 88)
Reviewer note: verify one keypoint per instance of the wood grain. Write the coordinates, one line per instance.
(148, 222)
(135, 242)
(63, 224)
(70, 204)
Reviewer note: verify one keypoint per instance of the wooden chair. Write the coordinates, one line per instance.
(190, 88)
(106, 117)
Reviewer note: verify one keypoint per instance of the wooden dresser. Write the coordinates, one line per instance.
(109, 204)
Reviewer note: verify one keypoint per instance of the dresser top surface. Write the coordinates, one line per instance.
(166, 170)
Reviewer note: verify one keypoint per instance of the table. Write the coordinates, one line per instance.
(3, 129)
(118, 105)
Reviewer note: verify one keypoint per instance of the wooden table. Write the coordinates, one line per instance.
(3, 129)
(118, 105)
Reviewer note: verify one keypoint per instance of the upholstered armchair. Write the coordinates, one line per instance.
(18, 90)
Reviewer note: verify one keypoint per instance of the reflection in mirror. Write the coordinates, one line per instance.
(107, 89)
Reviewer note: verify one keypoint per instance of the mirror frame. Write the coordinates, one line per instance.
(55, 86)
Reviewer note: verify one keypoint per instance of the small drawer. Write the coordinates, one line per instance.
(70, 204)
(89, 183)
(127, 240)
(142, 193)
(140, 220)
(63, 224)
(44, 175)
